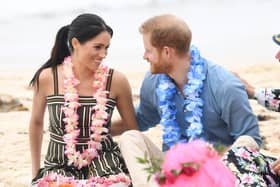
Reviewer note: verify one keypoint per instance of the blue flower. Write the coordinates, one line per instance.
(166, 90)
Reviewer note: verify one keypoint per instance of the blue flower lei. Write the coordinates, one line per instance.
(166, 90)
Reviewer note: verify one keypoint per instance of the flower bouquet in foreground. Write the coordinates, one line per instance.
(56, 180)
(190, 164)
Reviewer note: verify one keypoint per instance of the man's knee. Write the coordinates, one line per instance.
(245, 141)
(130, 136)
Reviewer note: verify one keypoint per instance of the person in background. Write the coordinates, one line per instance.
(189, 96)
(81, 93)
(267, 97)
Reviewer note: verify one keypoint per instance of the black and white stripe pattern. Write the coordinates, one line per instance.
(110, 160)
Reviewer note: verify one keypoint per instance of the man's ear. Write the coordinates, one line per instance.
(168, 51)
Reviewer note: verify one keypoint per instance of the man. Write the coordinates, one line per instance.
(189, 96)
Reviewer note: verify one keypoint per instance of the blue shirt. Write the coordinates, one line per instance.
(226, 110)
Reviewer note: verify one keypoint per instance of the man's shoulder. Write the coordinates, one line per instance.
(150, 79)
(221, 81)
(219, 75)
(149, 75)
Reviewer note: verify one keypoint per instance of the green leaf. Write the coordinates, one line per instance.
(152, 166)
(141, 160)
(219, 147)
(175, 172)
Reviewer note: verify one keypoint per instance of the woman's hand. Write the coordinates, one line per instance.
(276, 166)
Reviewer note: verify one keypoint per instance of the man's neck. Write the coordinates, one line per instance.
(179, 72)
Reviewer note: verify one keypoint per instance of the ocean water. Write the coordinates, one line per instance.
(234, 32)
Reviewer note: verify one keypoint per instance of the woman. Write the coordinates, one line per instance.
(80, 93)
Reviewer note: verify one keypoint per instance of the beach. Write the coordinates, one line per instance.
(15, 161)
(223, 30)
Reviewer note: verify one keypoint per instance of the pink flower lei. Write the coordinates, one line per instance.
(98, 118)
(57, 180)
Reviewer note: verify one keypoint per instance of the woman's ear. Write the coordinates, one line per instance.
(75, 43)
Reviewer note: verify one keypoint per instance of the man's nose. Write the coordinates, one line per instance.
(145, 57)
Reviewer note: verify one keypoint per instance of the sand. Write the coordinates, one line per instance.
(15, 161)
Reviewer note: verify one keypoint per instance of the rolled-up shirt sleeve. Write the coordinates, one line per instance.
(237, 112)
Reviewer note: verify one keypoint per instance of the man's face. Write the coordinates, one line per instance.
(157, 61)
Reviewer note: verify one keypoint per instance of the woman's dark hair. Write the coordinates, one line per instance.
(84, 27)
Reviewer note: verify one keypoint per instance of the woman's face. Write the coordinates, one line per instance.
(92, 52)
(277, 56)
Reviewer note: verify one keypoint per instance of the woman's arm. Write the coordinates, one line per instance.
(123, 96)
(36, 123)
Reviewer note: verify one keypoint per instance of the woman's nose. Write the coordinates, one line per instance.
(103, 54)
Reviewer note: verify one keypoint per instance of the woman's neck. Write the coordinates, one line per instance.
(81, 72)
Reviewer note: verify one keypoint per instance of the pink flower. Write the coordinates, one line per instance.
(247, 179)
(68, 111)
(56, 180)
(190, 170)
(97, 123)
(96, 137)
(100, 130)
(243, 153)
(179, 152)
(252, 167)
(195, 164)
(99, 116)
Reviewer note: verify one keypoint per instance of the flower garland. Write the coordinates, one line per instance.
(196, 163)
(192, 102)
(56, 180)
(98, 118)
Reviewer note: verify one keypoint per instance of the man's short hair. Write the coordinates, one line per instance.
(168, 30)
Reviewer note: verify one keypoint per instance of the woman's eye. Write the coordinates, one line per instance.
(97, 47)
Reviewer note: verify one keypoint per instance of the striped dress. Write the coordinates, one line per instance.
(110, 160)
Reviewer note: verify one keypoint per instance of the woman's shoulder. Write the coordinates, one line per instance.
(44, 82)
(45, 76)
(118, 76)
(120, 84)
